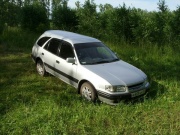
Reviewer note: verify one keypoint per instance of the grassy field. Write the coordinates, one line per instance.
(30, 104)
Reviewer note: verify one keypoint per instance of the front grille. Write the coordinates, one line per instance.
(135, 86)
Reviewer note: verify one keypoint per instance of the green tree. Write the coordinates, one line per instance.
(88, 18)
(136, 25)
(64, 18)
(162, 20)
(175, 23)
(34, 18)
(162, 6)
(121, 23)
(9, 12)
(1, 16)
(105, 19)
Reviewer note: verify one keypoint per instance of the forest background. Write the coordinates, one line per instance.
(102, 21)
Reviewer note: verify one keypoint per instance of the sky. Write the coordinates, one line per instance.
(149, 5)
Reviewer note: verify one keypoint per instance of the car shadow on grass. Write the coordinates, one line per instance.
(156, 90)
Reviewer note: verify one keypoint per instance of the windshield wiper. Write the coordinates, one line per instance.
(102, 61)
(114, 60)
(106, 61)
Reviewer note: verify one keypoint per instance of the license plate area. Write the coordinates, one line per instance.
(138, 93)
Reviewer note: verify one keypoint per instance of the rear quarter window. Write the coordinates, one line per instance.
(42, 40)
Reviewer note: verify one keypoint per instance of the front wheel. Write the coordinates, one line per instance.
(40, 68)
(88, 92)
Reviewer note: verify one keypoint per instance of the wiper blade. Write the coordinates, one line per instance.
(105, 61)
(114, 60)
(100, 62)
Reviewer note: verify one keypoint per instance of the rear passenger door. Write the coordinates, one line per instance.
(49, 54)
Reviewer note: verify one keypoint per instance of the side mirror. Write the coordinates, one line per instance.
(70, 60)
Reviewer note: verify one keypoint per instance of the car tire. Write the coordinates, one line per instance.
(40, 68)
(88, 92)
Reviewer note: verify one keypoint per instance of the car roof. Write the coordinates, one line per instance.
(74, 38)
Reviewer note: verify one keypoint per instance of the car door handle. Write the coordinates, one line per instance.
(57, 61)
(42, 53)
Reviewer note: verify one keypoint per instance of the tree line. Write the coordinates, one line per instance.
(102, 21)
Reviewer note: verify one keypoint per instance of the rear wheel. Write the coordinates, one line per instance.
(88, 92)
(40, 68)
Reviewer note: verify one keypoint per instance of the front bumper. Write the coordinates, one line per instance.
(115, 98)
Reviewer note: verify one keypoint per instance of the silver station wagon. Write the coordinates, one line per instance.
(89, 66)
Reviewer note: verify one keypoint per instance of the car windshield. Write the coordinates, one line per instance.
(94, 53)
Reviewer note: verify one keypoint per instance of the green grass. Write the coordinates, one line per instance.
(31, 104)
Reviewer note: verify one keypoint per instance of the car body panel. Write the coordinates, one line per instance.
(71, 37)
(118, 73)
(66, 71)
(100, 75)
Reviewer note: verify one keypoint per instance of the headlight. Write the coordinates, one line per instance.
(109, 88)
(145, 82)
(118, 88)
(121, 88)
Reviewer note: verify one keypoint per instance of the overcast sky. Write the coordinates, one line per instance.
(149, 5)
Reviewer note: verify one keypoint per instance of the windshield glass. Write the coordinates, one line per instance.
(94, 53)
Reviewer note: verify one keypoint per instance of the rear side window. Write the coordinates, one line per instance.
(42, 40)
(52, 45)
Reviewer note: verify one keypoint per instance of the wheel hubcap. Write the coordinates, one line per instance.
(86, 92)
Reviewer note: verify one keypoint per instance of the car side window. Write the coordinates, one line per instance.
(52, 45)
(42, 40)
(66, 50)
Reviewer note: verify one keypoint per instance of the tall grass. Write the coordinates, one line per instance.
(30, 104)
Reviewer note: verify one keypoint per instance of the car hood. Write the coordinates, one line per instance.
(118, 73)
